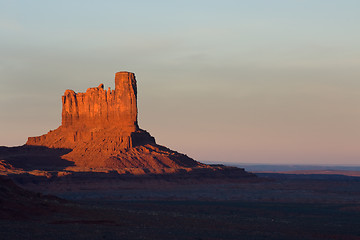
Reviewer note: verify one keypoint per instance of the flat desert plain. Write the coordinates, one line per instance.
(279, 206)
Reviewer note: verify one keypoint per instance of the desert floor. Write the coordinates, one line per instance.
(281, 207)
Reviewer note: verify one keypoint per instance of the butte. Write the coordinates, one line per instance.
(100, 133)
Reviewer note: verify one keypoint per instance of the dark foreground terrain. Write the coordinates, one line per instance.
(190, 220)
(284, 207)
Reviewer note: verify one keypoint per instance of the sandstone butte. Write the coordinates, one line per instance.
(100, 132)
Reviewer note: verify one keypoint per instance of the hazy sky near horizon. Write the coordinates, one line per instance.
(252, 81)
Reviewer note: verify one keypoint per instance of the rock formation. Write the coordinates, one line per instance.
(100, 127)
(100, 133)
(100, 108)
(99, 115)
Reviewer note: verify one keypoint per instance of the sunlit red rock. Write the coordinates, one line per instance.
(101, 129)
(103, 108)
(105, 117)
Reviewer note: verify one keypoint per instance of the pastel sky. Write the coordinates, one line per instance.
(253, 81)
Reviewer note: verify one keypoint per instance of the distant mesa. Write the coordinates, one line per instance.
(100, 132)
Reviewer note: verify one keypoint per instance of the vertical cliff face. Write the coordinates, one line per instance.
(99, 117)
(103, 108)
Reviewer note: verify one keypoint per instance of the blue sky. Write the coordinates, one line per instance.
(241, 81)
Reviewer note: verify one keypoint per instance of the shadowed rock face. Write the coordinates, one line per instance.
(101, 129)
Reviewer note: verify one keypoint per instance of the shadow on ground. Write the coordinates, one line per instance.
(35, 157)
